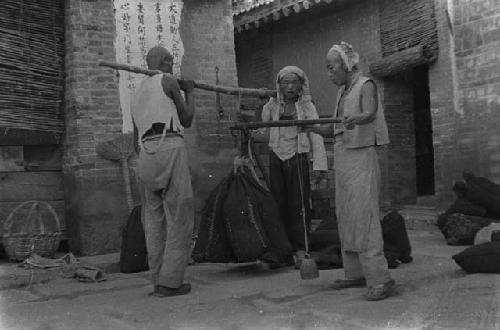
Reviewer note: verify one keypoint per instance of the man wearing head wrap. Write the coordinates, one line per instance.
(160, 113)
(357, 173)
(289, 165)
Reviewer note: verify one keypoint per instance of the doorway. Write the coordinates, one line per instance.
(424, 148)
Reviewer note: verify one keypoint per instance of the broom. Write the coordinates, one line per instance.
(120, 149)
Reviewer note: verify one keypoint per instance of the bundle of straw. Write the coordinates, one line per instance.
(32, 64)
(407, 23)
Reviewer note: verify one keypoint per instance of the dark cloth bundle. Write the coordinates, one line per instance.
(397, 248)
(325, 242)
(212, 242)
(241, 223)
(133, 255)
(462, 206)
(482, 258)
(460, 229)
(483, 192)
(477, 205)
(325, 235)
(325, 245)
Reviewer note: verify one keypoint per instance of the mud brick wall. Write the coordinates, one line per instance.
(95, 200)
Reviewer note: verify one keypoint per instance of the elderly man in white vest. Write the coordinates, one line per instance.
(160, 114)
(357, 173)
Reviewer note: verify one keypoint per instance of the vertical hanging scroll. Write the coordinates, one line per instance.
(140, 25)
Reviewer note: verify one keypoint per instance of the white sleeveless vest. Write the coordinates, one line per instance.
(150, 105)
(372, 134)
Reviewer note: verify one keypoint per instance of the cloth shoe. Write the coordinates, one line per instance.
(379, 292)
(163, 291)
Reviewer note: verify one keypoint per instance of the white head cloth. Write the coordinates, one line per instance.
(305, 93)
(348, 55)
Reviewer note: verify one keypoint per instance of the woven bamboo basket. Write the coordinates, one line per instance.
(33, 238)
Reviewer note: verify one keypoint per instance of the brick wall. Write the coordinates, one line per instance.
(477, 51)
(398, 104)
(94, 187)
(464, 85)
(445, 115)
(255, 63)
(94, 198)
(208, 34)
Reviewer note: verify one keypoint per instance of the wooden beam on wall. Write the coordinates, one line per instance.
(401, 61)
(20, 137)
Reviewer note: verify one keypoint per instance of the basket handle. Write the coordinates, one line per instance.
(8, 223)
(28, 226)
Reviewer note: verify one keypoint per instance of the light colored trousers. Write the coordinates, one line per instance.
(168, 210)
(369, 264)
(357, 186)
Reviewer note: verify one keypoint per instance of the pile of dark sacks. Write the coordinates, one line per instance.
(476, 208)
(477, 205)
(241, 223)
(325, 242)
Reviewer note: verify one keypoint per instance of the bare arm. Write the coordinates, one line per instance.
(369, 105)
(185, 109)
(318, 147)
(136, 139)
(262, 134)
(325, 130)
(265, 115)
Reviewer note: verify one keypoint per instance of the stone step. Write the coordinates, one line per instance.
(429, 200)
(420, 217)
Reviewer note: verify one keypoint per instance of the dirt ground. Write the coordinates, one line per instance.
(432, 293)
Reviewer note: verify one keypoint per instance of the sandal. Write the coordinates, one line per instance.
(379, 292)
(163, 291)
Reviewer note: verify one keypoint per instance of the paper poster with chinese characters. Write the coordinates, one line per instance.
(140, 25)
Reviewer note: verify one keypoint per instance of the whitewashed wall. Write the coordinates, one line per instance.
(140, 25)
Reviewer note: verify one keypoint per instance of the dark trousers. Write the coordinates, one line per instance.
(286, 189)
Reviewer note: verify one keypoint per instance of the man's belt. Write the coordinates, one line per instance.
(154, 136)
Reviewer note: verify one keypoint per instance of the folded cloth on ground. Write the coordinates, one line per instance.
(87, 273)
(70, 266)
(36, 261)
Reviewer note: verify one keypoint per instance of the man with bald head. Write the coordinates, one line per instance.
(160, 114)
(357, 173)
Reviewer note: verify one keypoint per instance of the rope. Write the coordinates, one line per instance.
(301, 187)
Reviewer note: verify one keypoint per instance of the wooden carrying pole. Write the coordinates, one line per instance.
(283, 123)
(208, 87)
